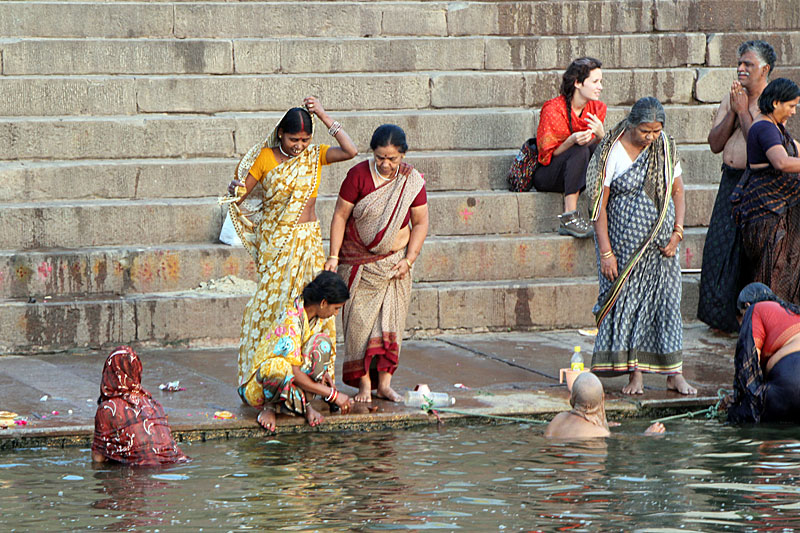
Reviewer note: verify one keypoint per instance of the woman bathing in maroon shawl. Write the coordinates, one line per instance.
(130, 427)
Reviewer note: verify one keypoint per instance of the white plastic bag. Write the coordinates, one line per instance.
(228, 234)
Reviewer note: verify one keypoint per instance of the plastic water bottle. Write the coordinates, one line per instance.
(418, 399)
(576, 362)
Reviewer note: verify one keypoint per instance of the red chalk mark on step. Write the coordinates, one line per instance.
(689, 256)
(466, 213)
(45, 269)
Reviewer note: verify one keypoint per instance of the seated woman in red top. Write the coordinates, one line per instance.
(373, 247)
(130, 427)
(570, 126)
(767, 362)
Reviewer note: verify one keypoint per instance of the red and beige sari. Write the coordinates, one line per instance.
(374, 317)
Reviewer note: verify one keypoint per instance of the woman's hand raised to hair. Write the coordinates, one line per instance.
(314, 106)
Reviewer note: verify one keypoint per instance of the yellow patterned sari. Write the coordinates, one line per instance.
(288, 255)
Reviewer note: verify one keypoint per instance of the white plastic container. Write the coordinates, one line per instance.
(418, 399)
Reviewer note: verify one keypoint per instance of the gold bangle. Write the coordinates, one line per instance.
(333, 257)
(678, 227)
(408, 262)
(680, 234)
(606, 255)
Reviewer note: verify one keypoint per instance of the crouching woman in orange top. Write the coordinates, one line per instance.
(276, 187)
(767, 363)
(570, 127)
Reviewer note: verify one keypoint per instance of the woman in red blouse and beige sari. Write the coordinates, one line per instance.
(377, 232)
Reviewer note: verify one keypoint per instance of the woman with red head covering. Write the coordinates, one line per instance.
(130, 427)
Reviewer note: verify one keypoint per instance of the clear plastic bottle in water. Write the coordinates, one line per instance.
(576, 362)
(418, 399)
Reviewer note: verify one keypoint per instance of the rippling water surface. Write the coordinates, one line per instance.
(700, 476)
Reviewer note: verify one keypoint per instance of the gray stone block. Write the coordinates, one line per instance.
(620, 87)
(700, 165)
(257, 56)
(616, 51)
(113, 56)
(476, 89)
(117, 137)
(96, 19)
(713, 84)
(380, 55)
(723, 47)
(99, 223)
(549, 18)
(233, 20)
(44, 96)
(707, 15)
(205, 94)
(429, 18)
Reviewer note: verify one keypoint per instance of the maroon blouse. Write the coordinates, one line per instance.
(359, 183)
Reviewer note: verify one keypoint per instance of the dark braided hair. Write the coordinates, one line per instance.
(577, 71)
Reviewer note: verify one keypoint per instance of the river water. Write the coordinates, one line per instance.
(699, 476)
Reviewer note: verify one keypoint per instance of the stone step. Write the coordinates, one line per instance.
(182, 318)
(319, 19)
(270, 55)
(36, 181)
(127, 270)
(361, 19)
(76, 224)
(114, 95)
(224, 135)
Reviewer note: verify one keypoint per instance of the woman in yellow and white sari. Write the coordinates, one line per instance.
(275, 187)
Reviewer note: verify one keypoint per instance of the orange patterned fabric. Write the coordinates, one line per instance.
(554, 129)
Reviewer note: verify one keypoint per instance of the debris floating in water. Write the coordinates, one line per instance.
(44, 398)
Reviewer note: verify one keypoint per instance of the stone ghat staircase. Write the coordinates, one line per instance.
(121, 123)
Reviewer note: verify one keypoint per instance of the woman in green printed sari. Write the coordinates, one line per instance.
(637, 206)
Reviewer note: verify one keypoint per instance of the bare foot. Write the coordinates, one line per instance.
(387, 393)
(364, 390)
(655, 428)
(678, 383)
(635, 384)
(266, 419)
(313, 416)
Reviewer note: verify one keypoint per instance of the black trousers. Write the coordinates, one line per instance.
(566, 172)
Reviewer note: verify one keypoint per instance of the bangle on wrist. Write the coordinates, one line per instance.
(332, 396)
(409, 263)
(606, 255)
(335, 128)
(333, 257)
